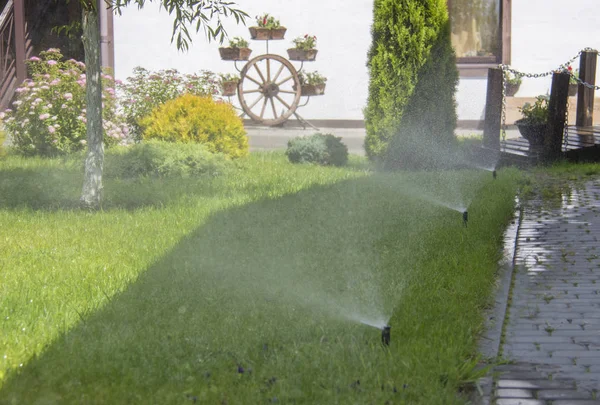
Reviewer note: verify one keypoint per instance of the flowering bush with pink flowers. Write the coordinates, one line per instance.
(48, 116)
(145, 91)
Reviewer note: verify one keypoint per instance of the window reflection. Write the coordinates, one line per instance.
(476, 28)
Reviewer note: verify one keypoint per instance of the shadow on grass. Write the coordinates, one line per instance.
(254, 306)
(55, 184)
(248, 307)
(52, 188)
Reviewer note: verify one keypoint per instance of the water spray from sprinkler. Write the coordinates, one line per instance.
(494, 174)
(385, 335)
(465, 218)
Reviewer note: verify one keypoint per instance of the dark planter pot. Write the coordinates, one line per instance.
(512, 88)
(534, 133)
(299, 54)
(235, 53)
(229, 88)
(312, 89)
(573, 89)
(263, 34)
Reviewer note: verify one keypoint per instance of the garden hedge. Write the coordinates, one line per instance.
(411, 111)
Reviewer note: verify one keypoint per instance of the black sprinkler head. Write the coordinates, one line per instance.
(465, 218)
(494, 174)
(385, 335)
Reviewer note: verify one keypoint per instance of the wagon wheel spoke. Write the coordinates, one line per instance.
(285, 80)
(262, 111)
(274, 109)
(283, 102)
(257, 100)
(278, 72)
(253, 80)
(273, 84)
(260, 73)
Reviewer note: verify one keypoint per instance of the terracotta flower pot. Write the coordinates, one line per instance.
(512, 88)
(229, 88)
(573, 89)
(534, 133)
(235, 53)
(299, 54)
(260, 33)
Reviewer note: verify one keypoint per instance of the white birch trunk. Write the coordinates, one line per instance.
(92, 183)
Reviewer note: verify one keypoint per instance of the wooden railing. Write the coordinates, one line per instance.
(8, 71)
(15, 47)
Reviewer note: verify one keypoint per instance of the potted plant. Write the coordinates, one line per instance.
(304, 48)
(312, 83)
(573, 83)
(534, 122)
(228, 83)
(513, 83)
(267, 27)
(237, 50)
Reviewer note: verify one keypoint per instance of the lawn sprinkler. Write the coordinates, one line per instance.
(494, 174)
(465, 218)
(385, 335)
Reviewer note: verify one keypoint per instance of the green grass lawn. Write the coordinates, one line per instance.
(246, 288)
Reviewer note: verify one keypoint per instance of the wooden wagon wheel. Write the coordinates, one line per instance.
(269, 89)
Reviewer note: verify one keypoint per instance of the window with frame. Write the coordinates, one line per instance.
(480, 31)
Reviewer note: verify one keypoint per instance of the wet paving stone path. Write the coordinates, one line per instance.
(551, 335)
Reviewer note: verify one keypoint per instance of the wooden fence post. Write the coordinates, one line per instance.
(557, 109)
(585, 96)
(493, 109)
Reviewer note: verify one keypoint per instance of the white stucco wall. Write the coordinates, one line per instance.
(545, 33)
(142, 37)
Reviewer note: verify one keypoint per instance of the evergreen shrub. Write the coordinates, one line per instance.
(162, 159)
(411, 112)
(190, 118)
(323, 149)
(146, 90)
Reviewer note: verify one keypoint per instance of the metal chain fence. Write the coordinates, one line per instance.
(506, 69)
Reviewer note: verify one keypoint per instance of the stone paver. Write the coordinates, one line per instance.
(552, 331)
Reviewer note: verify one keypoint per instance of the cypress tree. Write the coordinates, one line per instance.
(411, 111)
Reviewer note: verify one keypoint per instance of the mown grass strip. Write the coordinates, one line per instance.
(241, 289)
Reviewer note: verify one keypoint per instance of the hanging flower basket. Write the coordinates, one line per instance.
(261, 33)
(573, 89)
(229, 88)
(299, 54)
(235, 53)
(512, 88)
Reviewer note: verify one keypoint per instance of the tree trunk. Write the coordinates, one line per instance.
(92, 182)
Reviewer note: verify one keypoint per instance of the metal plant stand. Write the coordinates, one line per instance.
(269, 90)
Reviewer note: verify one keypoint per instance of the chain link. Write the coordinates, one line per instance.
(503, 125)
(566, 127)
(587, 85)
(562, 67)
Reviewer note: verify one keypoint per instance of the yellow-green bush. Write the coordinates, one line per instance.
(192, 118)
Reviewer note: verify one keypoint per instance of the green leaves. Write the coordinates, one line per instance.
(205, 15)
